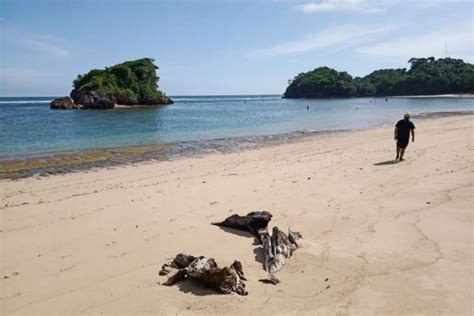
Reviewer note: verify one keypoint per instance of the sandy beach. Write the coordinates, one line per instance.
(379, 238)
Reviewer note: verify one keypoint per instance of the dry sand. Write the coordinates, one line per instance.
(389, 238)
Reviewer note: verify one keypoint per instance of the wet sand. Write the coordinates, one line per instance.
(81, 160)
(66, 162)
(379, 237)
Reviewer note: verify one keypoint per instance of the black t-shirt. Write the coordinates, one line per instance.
(404, 128)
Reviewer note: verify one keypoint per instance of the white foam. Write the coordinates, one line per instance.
(224, 99)
(25, 101)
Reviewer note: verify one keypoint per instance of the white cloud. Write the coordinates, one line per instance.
(47, 45)
(369, 6)
(459, 42)
(336, 37)
(362, 6)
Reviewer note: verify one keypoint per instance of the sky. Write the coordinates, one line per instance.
(222, 47)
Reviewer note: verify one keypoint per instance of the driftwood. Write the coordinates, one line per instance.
(277, 248)
(225, 280)
(252, 222)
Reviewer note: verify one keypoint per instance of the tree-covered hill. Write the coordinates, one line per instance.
(128, 83)
(425, 76)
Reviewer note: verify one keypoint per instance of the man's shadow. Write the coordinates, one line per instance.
(385, 163)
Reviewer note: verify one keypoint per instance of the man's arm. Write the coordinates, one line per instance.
(395, 133)
(413, 135)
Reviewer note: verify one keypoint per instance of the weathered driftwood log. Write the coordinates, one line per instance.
(252, 222)
(225, 280)
(277, 247)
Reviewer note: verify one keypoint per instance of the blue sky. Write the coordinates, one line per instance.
(221, 47)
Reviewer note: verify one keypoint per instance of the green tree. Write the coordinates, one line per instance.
(425, 76)
(129, 82)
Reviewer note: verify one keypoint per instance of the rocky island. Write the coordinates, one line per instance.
(131, 83)
(426, 76)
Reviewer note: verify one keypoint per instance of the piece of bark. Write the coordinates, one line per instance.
(270, 280)
(179, 262)
(252, 222)
(225, 280)
(175, 278)
(164, 270)
(277, 247)
(182, 261)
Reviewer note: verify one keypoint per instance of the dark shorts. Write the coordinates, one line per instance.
(403, 143)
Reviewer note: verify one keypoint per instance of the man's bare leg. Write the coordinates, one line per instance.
(398, 152)
(402, 151)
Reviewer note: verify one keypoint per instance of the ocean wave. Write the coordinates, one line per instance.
(224, 99)
(25, 101)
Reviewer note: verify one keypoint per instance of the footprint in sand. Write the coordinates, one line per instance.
(8, 297)
(66, 269)
(13, 274)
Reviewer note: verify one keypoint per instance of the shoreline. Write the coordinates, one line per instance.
(434, 96)
(87, 159)
(378, 237)
(461, 95)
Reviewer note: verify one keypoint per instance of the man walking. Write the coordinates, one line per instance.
(402, 135)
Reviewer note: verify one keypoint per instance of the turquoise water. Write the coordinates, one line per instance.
(29, 127)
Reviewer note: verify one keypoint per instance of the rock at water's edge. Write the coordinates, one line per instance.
(92, 100)
(64, 103)
(166, 100)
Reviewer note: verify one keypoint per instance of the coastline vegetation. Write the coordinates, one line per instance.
(426, 76)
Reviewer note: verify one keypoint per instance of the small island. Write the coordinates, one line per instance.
(132, 83)
(426, 76)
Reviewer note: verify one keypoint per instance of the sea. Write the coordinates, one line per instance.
(28, 127)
